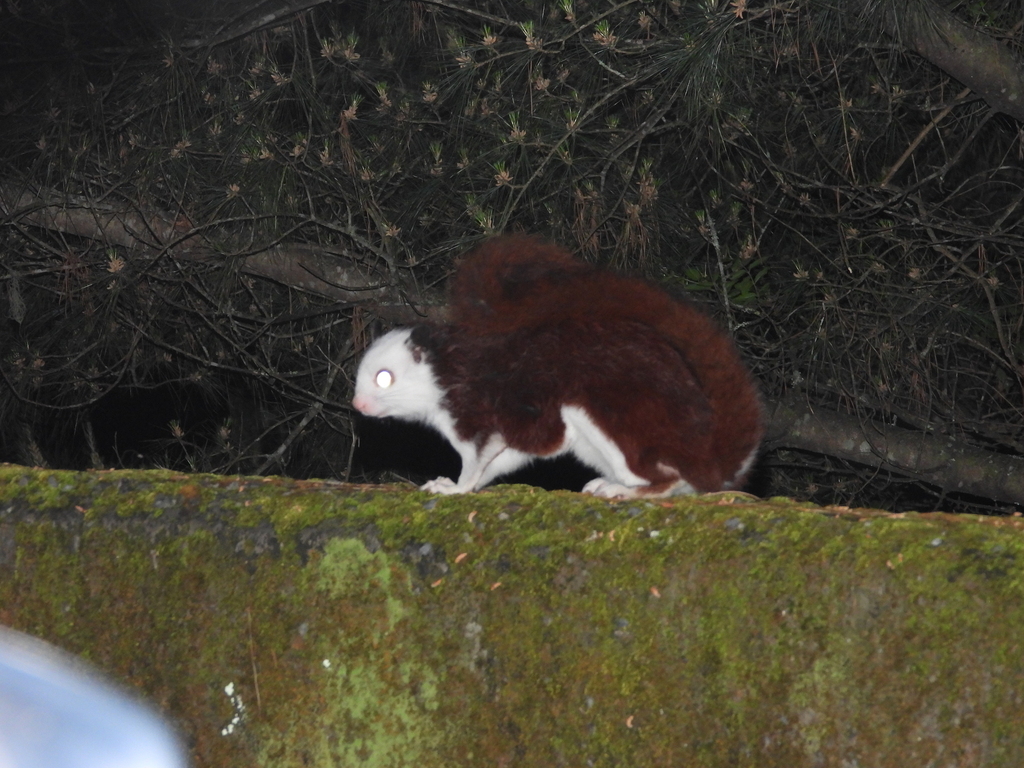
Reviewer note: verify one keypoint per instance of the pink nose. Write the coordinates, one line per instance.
(363, 404)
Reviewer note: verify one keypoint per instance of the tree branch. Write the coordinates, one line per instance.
(938, 460)
(333, 273)
(251, 21)
(983, 64)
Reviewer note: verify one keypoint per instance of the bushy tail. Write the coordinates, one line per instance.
(515, 282)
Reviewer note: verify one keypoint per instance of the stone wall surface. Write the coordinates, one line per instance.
(301, 623)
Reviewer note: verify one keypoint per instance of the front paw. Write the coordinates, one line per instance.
(608, 489)
(442, 485)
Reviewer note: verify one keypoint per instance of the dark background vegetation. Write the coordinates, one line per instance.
(207, 210)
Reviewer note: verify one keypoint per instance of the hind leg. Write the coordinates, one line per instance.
(588, 443)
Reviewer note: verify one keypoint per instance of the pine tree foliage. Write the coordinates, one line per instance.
(848, 210)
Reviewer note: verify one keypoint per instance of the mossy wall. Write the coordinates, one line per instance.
(295, 623)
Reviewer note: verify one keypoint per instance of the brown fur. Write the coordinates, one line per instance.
(522, 285)
(622, 374)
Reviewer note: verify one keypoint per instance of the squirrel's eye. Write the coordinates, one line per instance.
(384, 379)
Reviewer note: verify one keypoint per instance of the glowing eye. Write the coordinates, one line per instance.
(384, 379)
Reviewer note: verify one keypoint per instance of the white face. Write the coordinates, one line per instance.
(390, 382)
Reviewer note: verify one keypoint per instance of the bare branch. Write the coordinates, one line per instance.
(981, 63)
(939, 460)
(331, 272)
(251, 22)
(77, 215)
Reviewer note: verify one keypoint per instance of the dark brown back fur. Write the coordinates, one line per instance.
(516, 283)
(631, 382)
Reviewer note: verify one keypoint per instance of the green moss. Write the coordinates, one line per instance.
(387, 627)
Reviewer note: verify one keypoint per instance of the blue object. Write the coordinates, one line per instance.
(57, 713)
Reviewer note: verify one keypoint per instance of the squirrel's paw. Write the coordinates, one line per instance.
(443, 485)
(608, 489)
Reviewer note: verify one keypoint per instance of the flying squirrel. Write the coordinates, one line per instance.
(545, 355)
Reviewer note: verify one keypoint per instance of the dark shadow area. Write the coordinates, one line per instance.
(133, 427)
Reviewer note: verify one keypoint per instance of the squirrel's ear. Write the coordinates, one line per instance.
(427, 338)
